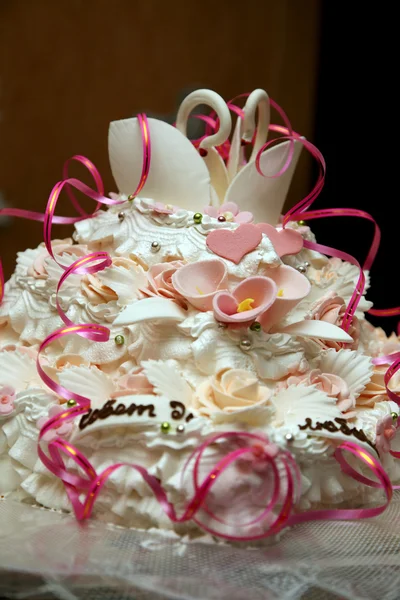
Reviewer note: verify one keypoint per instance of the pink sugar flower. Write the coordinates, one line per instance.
(199, 282)
(62, 430)
(331, 309)
(230, 211)
(163, 209)
(251, 298)
(385, 431)
(7, 398)
(160, 281)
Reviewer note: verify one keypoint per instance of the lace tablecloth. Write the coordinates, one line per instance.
(45, 554)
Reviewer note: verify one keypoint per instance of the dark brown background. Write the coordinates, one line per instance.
(69, 67)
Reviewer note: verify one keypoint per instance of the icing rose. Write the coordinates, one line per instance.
(62, 430)
(7, 398)
(97, 292)
(159, 278)
(228, 392)
(38, 267)
(385, 431)
(375, 390)
(231, 213)
(332, 385)
(331, 309)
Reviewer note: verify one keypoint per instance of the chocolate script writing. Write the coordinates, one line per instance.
(339, 425)
(109, 409)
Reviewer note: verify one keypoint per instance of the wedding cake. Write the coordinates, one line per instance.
(225, 374)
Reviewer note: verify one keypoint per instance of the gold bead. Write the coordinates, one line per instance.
(71, 403)
(256, 326)
(395, 416)
(245, 344)
(197, 218)
(301, 223)
(131, 197)
(119, 340)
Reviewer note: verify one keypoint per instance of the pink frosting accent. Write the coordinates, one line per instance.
(286, 241)
(160, 281)
(332, 385)
(136, 383)
(332, 309)
(38, 267)
(199, 282)
(294, 287)
(31, 351)
(7, 398)
(261, 289)
(385, 431)
(163, 209)
(63, 429)
(234, 245)
(230, 211)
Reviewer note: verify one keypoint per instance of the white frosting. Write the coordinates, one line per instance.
(191, 361)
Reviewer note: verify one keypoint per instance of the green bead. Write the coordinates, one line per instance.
(256, 326)
(165, 427)
(71, 403)
(131, 197)
(395, 416)
(301, 223)
(197, 218)
(119, 340)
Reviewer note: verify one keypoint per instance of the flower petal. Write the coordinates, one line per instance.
(244, 217)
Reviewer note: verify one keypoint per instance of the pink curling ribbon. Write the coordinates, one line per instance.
(289, 134)
(359, 288)
(386, 312)
(353, 513)
(146, 147)
(35, 216)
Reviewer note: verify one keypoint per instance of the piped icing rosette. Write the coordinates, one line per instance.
(220, 320)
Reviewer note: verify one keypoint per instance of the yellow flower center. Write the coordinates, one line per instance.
(198, 290)
(280, 293)
(245, 305)
(228, 216)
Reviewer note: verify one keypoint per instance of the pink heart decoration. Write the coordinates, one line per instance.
(233, 245)
(286, 241)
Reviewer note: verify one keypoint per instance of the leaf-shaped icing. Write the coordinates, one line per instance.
(126, 283)
(17, 370)
(297, 403)
(150, 309)
(317, 329)
(89, 382)
(356, 369)
(167, 380)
